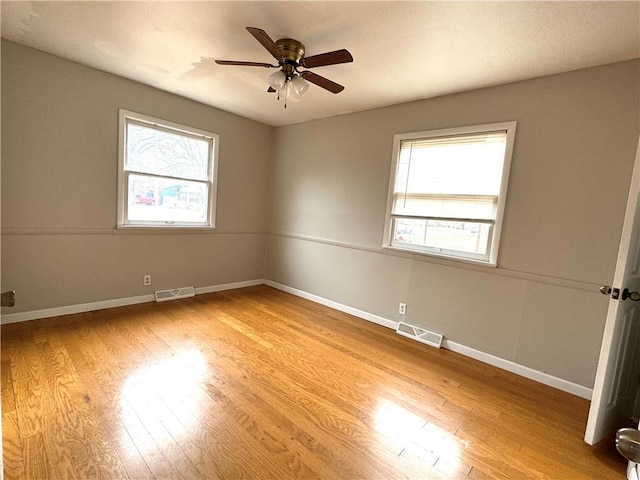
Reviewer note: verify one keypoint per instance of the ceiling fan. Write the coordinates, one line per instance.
(290, 80)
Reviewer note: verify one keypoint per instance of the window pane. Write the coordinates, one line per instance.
(150, 150)
(154, 199)
(438, 234)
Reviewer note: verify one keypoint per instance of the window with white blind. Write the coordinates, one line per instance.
(167, 173)
(447, 191)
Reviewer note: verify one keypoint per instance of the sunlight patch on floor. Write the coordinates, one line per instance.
(408, 433)
(183, 373)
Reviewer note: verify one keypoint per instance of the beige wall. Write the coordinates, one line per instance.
(574, 151)
(59, 173)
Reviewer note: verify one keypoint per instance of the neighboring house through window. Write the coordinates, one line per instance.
(447, 191)
(166, 173)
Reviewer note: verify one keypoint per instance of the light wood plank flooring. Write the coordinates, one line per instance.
(255, 383)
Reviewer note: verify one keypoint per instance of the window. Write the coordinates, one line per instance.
(167, 174)
(447, 191)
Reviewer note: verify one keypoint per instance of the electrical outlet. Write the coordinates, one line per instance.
(146, 280)
(402, 309)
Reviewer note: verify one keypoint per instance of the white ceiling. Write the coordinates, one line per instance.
(402, 51)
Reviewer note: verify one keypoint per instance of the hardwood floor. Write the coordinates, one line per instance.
(256, 383)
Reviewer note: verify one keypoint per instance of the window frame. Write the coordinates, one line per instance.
(125, 118)
(493, 241)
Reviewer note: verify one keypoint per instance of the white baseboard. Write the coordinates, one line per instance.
(487, 358)
(335, 305)
(530, 373)
(229, 286)
(118, 302)
(70, 309)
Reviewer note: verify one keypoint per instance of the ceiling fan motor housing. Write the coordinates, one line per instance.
(292, 51)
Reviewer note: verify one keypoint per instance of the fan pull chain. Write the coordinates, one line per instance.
(286, 92)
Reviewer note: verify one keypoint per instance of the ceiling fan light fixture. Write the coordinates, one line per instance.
(288, 87)
(277, 80)
(299, 85)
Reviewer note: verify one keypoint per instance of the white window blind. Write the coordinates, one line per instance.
(455, 177)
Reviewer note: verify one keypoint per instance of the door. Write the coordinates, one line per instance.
(617, 378)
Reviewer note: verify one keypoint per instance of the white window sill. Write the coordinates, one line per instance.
(420, 253)
(159, 230)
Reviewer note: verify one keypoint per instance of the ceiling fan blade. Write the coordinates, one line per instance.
(329, 58)
(266, 41)
(245, 64)
(271, 90)
(325, 83)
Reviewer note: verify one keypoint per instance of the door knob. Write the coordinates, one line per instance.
(605, 289)
(628, 443)
(633, 296)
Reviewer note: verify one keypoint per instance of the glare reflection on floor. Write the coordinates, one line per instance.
(408, 432)
(176, 380)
